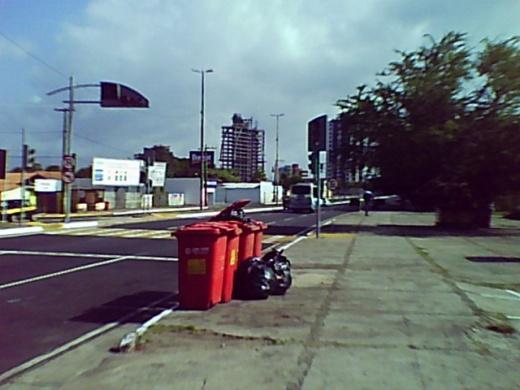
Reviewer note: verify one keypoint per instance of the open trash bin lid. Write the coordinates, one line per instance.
(234, 207)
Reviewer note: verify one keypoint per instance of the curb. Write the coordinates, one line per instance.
(77, 225)
(24, 230)
(129, 341)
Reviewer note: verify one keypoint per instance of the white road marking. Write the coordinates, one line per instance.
(288, 219)
(60, 273)
(75, 232)
(163, 236)
(86, 255)
(286, 246)
(514, 293)
(142, 233)
(271, 239)
(109, 232)
(116, 232)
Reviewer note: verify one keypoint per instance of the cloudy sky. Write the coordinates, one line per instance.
(295, 57)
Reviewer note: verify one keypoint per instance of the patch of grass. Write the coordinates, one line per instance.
(191, 329)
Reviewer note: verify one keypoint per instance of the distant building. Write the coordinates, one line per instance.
(242, 148)
(348, 152)
(290, 170)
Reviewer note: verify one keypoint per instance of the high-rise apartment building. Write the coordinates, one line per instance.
(348, 153)
(242, 148)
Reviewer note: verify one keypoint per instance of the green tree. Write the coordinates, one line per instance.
(223, 175)
(287, 180)
(84, 173)
(446, 124)
(259, 176)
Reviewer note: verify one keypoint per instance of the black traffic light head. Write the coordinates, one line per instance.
(28, 158)
(3, 163)
(312, 162)
(317, 134)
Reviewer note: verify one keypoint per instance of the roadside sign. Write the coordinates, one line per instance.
(68, 163)
(157, 174)
(68, 177)
(47, 185)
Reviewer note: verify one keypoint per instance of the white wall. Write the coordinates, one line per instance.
(267, 193)
(259, 193)
(189, 186)
(229, 195)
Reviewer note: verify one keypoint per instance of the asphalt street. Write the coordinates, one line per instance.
(56, 288)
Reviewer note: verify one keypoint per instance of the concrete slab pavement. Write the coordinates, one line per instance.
(385, 301)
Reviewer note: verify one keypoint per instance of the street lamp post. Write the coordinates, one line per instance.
(202, 152)
(276, 171)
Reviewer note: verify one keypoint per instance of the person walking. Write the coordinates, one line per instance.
(367, 199)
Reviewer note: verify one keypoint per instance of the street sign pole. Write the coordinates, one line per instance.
(22, 180)
(67, 130)
(318, 188)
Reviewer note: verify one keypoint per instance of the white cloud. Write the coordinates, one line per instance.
(296, 57)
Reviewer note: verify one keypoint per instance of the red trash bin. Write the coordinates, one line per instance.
(202, 253)
(259, 237)
(233, 232)
(246, 245)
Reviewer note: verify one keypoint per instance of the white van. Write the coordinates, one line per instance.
(302, 197)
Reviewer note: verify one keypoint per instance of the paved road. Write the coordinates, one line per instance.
(56, 287)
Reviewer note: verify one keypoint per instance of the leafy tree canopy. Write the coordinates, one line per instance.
(445, 122)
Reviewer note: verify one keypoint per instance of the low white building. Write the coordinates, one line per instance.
(260, 193)
(190, 187)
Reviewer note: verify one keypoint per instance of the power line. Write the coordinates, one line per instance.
(102, 144)
(33, 56)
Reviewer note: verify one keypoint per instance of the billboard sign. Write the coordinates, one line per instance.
(317, 134)
(157, 174)
(112, 172)
(175, 199)
(209, 157)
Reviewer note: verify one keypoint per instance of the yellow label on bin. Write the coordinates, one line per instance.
(233, 258)
(196, 266)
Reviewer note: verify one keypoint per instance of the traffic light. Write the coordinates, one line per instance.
(317, 134)
(3, 163)
(118, 95)
(28, 158)
(312, 163)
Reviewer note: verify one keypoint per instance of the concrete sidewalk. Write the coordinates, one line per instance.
(379, 302)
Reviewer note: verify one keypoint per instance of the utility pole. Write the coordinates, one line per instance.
(67, 136)
(112, 95)
(276, 170)
(22, 179)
